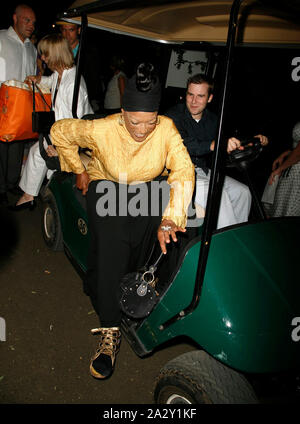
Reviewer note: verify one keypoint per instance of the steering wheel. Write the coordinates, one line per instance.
(241, 158)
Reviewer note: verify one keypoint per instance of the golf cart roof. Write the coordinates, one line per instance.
(199, 20)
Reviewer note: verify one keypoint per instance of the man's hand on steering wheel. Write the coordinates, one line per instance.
(242, 152)
(263, 139)
(234, 144)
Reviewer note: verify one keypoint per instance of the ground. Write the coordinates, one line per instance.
(45, 358)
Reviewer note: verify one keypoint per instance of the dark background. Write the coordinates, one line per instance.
(263, 96)
(46, 12)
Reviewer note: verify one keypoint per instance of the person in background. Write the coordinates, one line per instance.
(71, 33)
(115, 87)
(18, 58)
(198, 128)
(129, 150)
(281, 196)
(91, 68)
(56, 53)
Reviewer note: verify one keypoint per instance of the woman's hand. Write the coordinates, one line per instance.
(166, 230)
(32, 78)
(279, 161)
(277, 167)
(82, 182)
(275, 173)
(51, 151)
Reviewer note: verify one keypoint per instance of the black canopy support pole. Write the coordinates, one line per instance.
(216, 179)
(79, 64)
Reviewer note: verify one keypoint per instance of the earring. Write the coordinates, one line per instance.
(121, 120)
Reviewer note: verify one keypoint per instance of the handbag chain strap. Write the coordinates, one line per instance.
(148, 276)
(153, 267)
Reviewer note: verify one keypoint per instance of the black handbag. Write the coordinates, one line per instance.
(42, 121)
(138, 291)
(52, 162)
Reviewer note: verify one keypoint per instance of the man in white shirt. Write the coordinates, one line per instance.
(17, 60)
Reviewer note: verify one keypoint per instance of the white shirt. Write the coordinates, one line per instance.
(17, 59)
(112, 96)
(64, 98)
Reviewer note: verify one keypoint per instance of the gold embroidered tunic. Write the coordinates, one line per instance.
(116, 156)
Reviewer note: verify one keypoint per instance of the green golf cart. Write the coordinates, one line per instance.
(234, 293)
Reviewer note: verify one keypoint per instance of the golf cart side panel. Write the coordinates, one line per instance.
(73, 217)
(250, 295)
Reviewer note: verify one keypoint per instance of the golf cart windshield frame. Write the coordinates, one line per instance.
(220, 151)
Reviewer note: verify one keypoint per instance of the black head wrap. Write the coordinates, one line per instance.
(142, 91)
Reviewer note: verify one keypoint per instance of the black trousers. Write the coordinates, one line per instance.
(11, 157)
(119, 244)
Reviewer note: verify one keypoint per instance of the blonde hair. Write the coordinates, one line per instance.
(56, 48)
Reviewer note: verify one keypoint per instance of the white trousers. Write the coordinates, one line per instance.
(34, 171)
(235, 200)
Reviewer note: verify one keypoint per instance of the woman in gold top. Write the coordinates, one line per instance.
(130, 152)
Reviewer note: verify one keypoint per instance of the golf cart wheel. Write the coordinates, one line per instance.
(197, 378)
(51, 227)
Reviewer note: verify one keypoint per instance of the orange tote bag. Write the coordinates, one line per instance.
(16, 105)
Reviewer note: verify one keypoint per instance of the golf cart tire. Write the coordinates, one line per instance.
(51, 227)
(197, 378)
